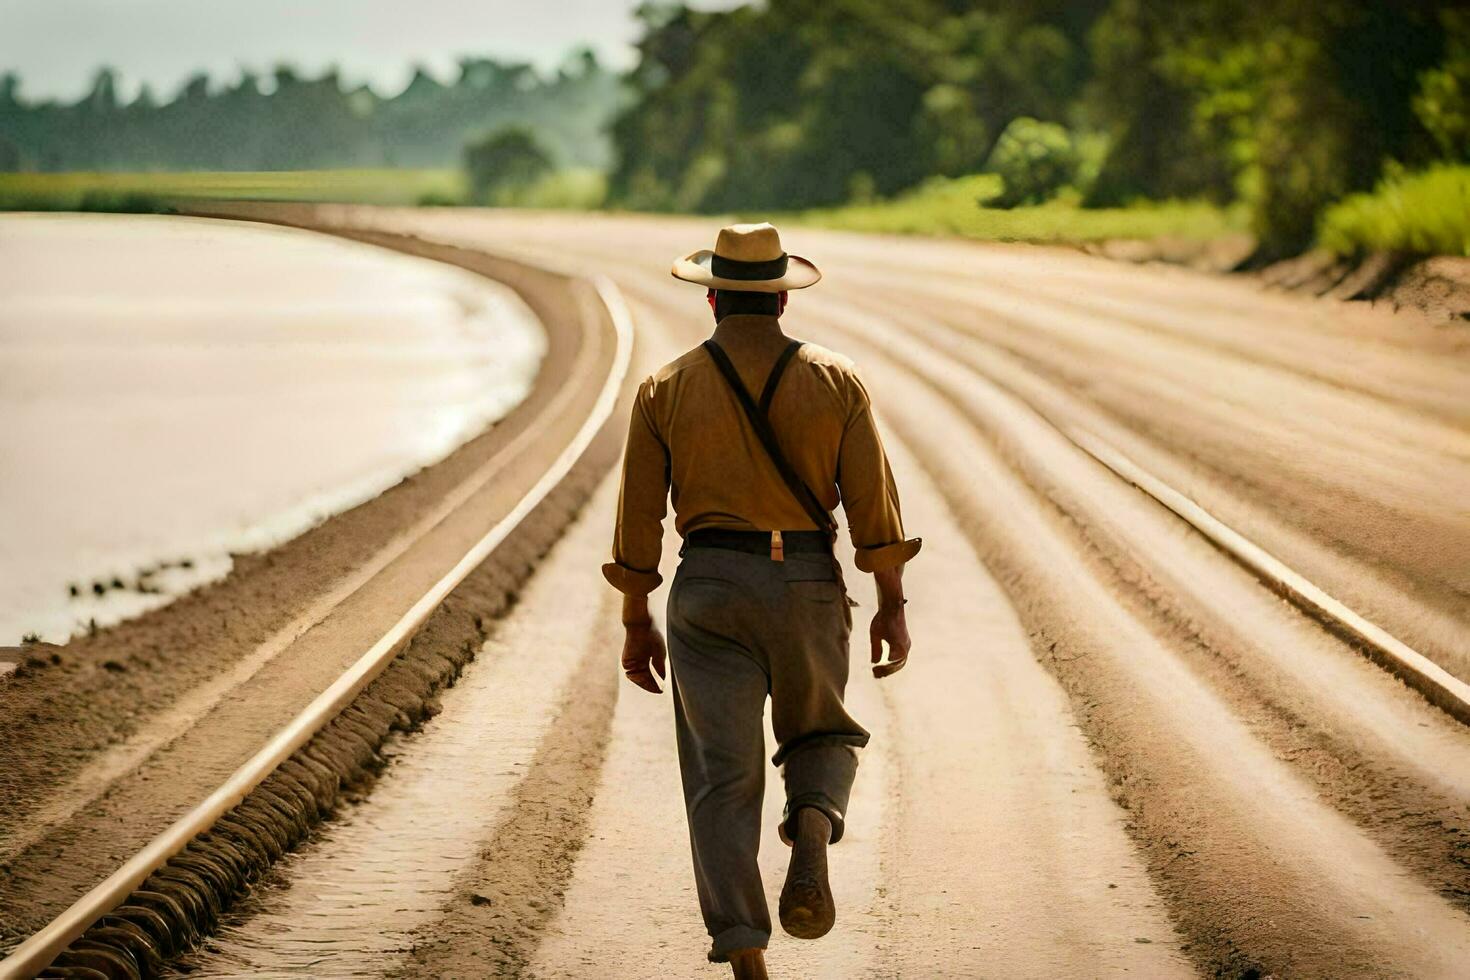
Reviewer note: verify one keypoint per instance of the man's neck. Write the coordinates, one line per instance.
(747, 326)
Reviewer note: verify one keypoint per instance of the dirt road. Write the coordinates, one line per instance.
(1115, 751)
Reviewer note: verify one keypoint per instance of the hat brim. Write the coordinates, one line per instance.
(695, 268)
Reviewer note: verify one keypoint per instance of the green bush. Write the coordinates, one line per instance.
(575, 190)
(1035, 159)
(1443, 101)
(437, 199)
(506, 161)
(1427, 213)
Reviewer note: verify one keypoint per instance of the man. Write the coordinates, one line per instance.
(758, 607)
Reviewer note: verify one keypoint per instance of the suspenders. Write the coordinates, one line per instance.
(761, 423)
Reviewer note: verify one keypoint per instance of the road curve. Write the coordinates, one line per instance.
(1116, 750)
(383, 632)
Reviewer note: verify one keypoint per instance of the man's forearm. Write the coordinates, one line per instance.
(635, 610)
(890, 586)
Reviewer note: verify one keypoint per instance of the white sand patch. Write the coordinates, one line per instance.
(176, 390)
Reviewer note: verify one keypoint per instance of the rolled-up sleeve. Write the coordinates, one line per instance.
(642, 503)
(869, 494)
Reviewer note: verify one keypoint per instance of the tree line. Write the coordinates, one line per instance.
(1285, 106)
(290, 121)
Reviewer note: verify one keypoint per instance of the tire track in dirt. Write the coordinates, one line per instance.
(379, 883)
(523, 871)
(353, 896)
(1223, 950)
(1260, 874)
(1249, 882)
(1010, 859)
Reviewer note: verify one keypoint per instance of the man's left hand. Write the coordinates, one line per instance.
(644, 655)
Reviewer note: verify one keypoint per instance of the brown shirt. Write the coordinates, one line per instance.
(689, 439)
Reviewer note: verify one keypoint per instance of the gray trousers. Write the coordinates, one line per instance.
(743, 627)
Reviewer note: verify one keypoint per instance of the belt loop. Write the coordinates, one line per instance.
(778, 549)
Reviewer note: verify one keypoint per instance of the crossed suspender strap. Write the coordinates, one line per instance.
(760, 421)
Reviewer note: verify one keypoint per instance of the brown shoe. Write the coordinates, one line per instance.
(807, 909)
(749, 964)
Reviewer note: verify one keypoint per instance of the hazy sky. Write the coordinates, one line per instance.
(57, 44)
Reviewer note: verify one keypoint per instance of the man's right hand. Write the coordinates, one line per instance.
(644, 655)
(889, 624)
(891, 627)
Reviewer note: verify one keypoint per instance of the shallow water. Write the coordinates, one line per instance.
(175, 390)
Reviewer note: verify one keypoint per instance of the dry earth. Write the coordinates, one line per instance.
(1115, 751)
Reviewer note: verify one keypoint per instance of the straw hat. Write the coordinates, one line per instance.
(749, 258)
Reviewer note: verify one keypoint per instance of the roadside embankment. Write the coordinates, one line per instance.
(1406, 244)
(1436, 286)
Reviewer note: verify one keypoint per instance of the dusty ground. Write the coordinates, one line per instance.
(1114, 752)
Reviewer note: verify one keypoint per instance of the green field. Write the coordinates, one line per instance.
(581, 189)
(153, 191)
(939, 207)
(944, 206)
(576, 190)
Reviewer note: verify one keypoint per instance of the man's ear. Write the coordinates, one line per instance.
(784, 297)
(711, 299)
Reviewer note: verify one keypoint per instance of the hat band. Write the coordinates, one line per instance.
(748, 271)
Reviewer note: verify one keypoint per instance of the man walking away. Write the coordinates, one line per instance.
(757, 437)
